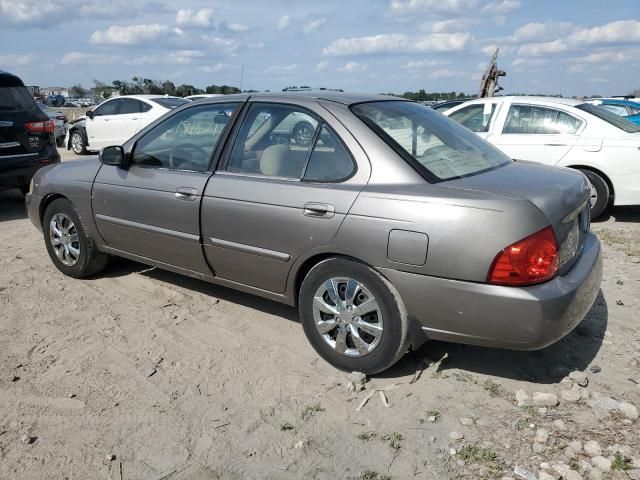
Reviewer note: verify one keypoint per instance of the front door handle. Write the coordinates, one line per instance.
(186, 193)
(317, 209)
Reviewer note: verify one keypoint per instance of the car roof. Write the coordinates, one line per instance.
(617, 101)
(10, 80)
(572, 102)
(338, 97)
(144, 97)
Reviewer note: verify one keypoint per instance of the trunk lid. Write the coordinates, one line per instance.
(561, 194)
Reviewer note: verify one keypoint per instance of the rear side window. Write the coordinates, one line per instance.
(617, 109)
(129, 105)
(534, 120)
(288, 142)
(476, 118)
(170, 102)
(15, 98)
(611, 118)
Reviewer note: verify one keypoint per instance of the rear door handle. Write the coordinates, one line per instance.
(555, 145)
(317, 209)
(186, 193)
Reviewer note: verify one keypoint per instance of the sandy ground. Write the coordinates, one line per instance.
(144, 374)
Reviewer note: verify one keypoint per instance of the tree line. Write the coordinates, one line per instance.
(139, 85)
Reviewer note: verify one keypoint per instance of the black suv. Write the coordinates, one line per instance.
(27, 142)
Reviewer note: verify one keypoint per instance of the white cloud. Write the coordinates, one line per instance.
(237, 27)
(15, 60)
(284, 22)
(84, 58)
(314, 25)
(430, 7)
(202, 18)
(322, 66)
(48, 13)
(501, 7)
(353, 67)
(423, 64)
(623, 31)
(396, 42)
(451, 25)
(215, 68)
(133, 34)
(442, 73)
(223, 45)
(541, 32)
(542, 48)
(281, 69)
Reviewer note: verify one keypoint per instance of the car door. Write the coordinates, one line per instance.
(152, 208)
(99, 127)
(125, 123)
(537, 133)
(477, 117)
(273, 199)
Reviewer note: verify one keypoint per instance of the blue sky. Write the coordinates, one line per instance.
(573, 47)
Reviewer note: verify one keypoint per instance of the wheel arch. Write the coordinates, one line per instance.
(46, 201)
(416, 335)
(599, 173)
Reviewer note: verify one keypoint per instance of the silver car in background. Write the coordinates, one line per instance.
(61, 124)
(391, 225)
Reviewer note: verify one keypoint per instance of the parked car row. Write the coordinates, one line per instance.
(61, 124)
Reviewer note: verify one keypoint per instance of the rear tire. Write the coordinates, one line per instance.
(599, 193)
(382, 332)
(71, 249)
(78, 143)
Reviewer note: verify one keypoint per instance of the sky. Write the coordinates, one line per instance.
(570, 47)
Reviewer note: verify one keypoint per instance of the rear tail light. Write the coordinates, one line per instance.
(47, 126)
(527, 262)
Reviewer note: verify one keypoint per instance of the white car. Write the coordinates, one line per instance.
(566, 133)
(116, 120)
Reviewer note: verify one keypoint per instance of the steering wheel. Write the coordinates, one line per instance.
(176, 160)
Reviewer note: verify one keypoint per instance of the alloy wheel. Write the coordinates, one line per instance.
(77, 143)
(347, 316)
(64, 239)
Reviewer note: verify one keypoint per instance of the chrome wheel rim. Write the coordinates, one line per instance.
(64, 239)
(303, 135)
(347, 316)
(76, 143)
(594, 196)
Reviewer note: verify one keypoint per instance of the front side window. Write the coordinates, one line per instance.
(534, 120)
(436, 146)
(107, 108)
(185, 141)
(476, 118)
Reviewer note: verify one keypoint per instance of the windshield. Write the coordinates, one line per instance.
(15, 98)
(435, 145)
(170, 102)
(609, 117)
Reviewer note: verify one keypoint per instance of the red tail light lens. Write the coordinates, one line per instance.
(40, 127)
(527, 262)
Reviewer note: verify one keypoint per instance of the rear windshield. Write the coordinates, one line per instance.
(609, 117)
(170, 102)
(15, 98)
(436, 146)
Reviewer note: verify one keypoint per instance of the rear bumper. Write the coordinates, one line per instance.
(16, 171)
(527, 318)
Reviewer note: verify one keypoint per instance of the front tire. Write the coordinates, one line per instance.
(353, 317)
(599, 193)
(78, 144)
(72, 251)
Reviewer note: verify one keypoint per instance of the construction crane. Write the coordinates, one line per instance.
(489, 83)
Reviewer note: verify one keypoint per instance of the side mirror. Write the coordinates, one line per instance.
(89, 114)
(113, 155)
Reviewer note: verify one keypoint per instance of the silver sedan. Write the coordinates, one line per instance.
(386, 224)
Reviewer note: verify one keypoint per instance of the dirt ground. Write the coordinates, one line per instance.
(145, 374)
